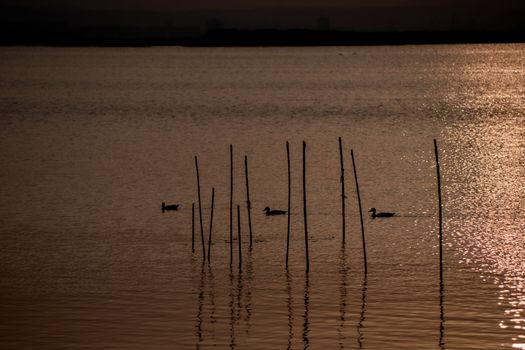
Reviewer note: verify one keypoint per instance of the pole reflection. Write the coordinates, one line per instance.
(249, 286)
(236, 294)
(360, 324)
(200, 302)
(343, 293)
(441, 316)
(232, 311)
(306, 325)
(290, 308)
(211, 294)
(239, 297)
(205, 289)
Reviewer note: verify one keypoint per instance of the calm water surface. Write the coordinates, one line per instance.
(93, 140)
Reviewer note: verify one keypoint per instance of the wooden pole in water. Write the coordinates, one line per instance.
(343, 196)
(211, 223)
(193, 227)
(289, 203)
(440, 211)
(360, 211)
(200, 209)
(304, 210)
(248, 203)
(231, 204)
(239, 235)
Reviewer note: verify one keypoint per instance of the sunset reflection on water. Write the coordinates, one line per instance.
(486, 194)
(96, 138)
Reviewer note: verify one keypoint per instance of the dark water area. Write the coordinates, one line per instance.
(93, 140)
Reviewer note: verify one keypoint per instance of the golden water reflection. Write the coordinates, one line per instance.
(485, 196)
(69, 150)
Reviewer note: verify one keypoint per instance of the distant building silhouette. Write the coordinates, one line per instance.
(323, 23)
(214, 24)
(449, 23)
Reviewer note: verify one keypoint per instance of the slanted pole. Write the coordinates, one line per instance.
(239, 235)
(231, 204)
(200, 209)
(304, 210)
(440, 213)
(343, 196)
(248, 203)
(289, 203)
(360, 212)
(211, 223)
(193, 227)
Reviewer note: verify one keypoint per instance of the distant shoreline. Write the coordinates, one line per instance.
(299, 37)
(269, 38)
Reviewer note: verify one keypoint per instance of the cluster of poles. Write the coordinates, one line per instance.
(343, 200)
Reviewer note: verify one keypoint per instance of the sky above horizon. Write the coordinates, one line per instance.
(353, 15)
(247, 4)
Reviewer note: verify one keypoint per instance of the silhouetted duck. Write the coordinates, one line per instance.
(270, 212)
(379, 215)
(169, 207)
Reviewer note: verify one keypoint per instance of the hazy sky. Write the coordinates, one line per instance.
(354, 15)
(246, 4)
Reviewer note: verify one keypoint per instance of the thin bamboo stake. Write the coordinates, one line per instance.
(289, 203)
(440, 211)
(200, 209)
(239, 235)
(193, 227)
(304, 210)
(231, 204)
(343, 196)
(248, 203)
(441, 285)
(360, 211)
(211, 223)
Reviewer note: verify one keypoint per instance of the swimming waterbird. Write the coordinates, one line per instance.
(169, 207)
(270, 212)
(380, 214)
